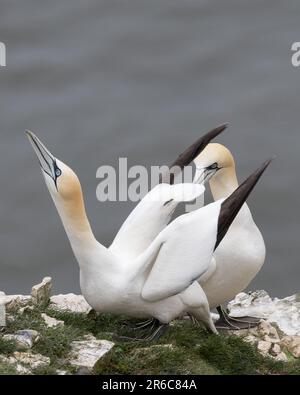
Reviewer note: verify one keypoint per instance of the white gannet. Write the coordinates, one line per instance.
(141, 287)
(242, 252)
(151, 215)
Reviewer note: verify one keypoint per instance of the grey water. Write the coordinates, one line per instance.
(99, 80)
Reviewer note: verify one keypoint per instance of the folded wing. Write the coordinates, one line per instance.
(185, 255)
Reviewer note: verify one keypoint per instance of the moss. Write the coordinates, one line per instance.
(56, 342)
(7, 347)
(184, 349)
(7, 369)
(159, 359)
(45, 371)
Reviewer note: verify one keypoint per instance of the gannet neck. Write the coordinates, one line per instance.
(70, 205)
(224, 183)
(75, 221)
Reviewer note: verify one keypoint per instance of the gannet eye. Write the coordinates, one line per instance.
(214, 166)
(58, 172)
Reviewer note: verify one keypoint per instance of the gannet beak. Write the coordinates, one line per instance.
(46, 159)
(232, 205)
(193, 151)
(204, 174)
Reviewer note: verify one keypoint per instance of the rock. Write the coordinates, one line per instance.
(70, 302)
(19, 368)
(51, 322)
(264, 347)
(25, 309)
(13, 302)
(292, 344)
(31, 361)
(41, 292)
(2, 310)
(22, 370)
(24, 339)
(281, 357)
(34, 361)
(83, 371)
(251, 339)
(275, 350)
(264, 328)
(267, 332)
(85, 354)
(10, 318)
(286, 341)
(60, 372)
(284, 312)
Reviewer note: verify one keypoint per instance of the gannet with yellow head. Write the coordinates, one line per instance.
(241, 254)
(155, 284)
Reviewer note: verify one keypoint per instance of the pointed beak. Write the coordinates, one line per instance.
(232, 205)
(193, 151)
(46, 159)
(198, 146)
(204, 174)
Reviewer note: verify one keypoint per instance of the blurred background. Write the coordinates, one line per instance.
(99, 80)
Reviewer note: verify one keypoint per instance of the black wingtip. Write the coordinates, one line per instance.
(186, 157)
(232, 205)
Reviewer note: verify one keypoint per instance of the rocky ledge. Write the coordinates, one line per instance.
(61, 334)
(278, 334)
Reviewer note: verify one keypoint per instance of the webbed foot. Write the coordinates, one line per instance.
(226, 322)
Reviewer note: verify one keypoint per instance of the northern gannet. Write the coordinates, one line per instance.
(151, 215)
(141, 287)
(242, 252)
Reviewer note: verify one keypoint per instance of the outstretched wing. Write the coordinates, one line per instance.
(150, 217)
(185, 255)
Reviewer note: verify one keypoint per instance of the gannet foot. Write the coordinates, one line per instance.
(157, 333)
(253, 321)
(229, 323)
(139, 325)
(157, 329)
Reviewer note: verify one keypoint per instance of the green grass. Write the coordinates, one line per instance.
(7, 369)
(184, 349)
(7, 347)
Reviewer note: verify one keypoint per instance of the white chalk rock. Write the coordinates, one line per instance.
(26, 309)
(34, 361)
(24, 339)
(70, 302)
(264, 347)
(41, 292)
(292, 344)
(51, 322)
(275, 350)
(281, 357)
(12, 361)
(251, 339)
(2, 310)
(284, 312)
(12, 302)
(60, 372)
(86, 353)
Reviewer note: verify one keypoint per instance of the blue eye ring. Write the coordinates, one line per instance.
(58, 172)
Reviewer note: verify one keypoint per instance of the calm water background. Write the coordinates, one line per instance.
(97, 80)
